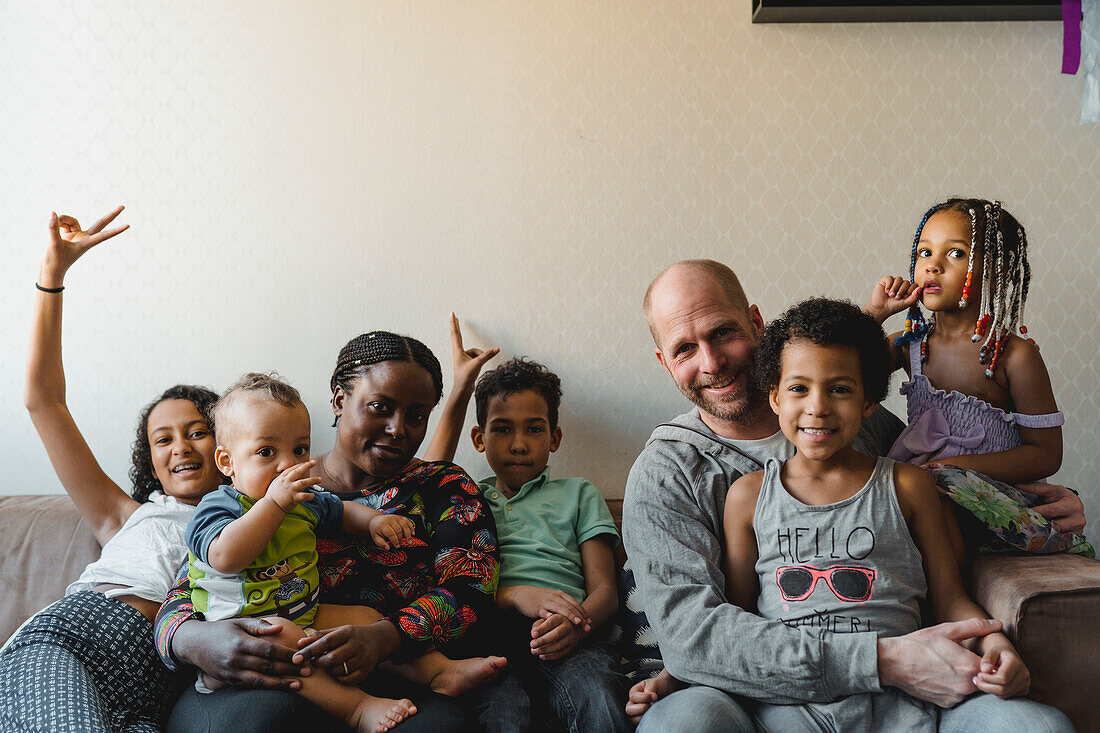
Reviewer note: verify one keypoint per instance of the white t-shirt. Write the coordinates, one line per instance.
(144, 554)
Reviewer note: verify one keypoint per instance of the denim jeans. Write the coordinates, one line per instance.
(697, 709)
(584, 691)
(984, 712)
(703, 709)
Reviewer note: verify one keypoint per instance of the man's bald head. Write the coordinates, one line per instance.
(685, 274)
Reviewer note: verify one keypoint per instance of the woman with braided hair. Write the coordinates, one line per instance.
(429, 593)
(979, 397)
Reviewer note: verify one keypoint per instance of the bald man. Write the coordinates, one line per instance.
(706, 334)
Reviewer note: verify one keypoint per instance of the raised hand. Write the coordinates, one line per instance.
(891, 295)
(467, 362)
(68, 242)
(291, 487)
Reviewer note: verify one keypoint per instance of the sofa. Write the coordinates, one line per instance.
(1050, 605)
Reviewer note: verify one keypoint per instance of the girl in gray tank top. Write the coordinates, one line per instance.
(834, 542)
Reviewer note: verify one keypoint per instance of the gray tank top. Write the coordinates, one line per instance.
(846, 567)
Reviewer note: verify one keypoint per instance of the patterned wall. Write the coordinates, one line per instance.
(296, 173)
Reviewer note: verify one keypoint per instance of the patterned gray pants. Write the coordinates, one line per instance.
(86, 664)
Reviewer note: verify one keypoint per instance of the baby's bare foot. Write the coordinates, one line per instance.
(463, 675)
(379, 714)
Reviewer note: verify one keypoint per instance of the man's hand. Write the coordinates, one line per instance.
(291, 487)
(1060, 505)
(932, 664)
(237, 652)
(1003, 673)
(891, 295)
(539, 603)
(390, 529)
(553, 637)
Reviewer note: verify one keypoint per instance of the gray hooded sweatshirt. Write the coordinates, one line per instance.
(672, 532)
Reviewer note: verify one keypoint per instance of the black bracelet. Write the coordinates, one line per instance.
(1075, 491)
(49, 290)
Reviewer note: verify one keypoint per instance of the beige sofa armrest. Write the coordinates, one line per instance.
(44, 545)
(1050, 606)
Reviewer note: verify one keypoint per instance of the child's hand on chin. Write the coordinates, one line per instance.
(891, 295)
(291, 487)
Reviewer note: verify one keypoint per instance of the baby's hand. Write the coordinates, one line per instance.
(645, 693)
(554, 637)
(1002, 673)
(291, 487)
(467, 362)
(891, 295)
(390, 529)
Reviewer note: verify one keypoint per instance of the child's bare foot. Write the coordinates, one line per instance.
(462, 675)
(379, 714)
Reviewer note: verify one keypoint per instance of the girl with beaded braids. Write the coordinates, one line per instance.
(87, 662)
(427, 595)
(979, 397)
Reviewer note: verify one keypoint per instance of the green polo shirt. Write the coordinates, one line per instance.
(541, 528)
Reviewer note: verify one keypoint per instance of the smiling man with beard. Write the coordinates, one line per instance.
(706, 334)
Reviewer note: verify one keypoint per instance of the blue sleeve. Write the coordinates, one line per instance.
(329, 510)
(593, 516)
(214, 512)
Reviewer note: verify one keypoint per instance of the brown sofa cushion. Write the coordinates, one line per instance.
(44, 545)
(1050, 606)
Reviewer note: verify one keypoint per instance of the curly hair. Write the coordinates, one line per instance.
(518, 375)
(142, 476)
(827, 322)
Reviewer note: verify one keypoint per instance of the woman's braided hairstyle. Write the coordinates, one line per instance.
(142, 476)
(376, 347)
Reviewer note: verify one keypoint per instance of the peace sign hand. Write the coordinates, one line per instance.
(68, 242)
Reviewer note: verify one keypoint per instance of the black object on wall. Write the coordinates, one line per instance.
(898, 11)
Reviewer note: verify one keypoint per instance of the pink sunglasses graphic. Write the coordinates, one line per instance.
(847, 582)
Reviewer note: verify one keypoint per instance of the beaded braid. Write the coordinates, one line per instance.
(915, 325)
(379, 346)
(1006, 279)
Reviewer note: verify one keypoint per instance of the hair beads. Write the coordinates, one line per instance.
(970, 262)
(1006, 278)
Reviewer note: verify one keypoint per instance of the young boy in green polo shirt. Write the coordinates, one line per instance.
(557, 573)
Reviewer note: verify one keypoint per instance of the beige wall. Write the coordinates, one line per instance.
(296, 173)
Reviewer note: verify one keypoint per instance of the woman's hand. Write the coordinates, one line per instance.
(1060, 504)
(237, 652)
(349, 653)
(68, 242)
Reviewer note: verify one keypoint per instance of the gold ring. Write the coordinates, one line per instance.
(346, 673)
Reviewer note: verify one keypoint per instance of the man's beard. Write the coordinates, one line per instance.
(734, 408)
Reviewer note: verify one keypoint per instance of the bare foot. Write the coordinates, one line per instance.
(463, 675)
(379, 714)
